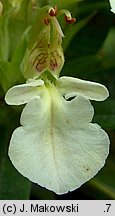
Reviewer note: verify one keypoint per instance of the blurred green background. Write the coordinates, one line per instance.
(89, 47)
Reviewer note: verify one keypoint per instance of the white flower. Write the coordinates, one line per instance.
(112, 3)
(57, 146)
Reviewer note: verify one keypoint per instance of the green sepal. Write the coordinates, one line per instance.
(44, 52)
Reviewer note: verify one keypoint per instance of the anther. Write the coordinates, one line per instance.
(70, 19)
(46, 21)
(53, 11)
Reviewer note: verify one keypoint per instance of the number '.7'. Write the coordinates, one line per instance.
(108, 207)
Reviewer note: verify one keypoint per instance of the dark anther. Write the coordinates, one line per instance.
(53, 11)
(70, 20)
(46, 21)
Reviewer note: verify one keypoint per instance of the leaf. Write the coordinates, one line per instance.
(83, 67)
(4, 36)
(9, 75)
(72, 30)
(108, 50)
(41, 193)
(17, 26)
(19, 52)
(90, 39)
(60, 3)
(10, 72)
(4, 75)
(105, 114)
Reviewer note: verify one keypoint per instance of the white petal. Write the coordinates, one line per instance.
(21, 94)
(112, 3)
(41, 108)
(52, 148)
(70, 87)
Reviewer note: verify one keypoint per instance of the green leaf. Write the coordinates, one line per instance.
(83, 67)
(105, 114)
(61, 4)
(71, 30)
(19, 52)
(90, 39)
(41, 193)
(4, 75)
(10, 72)
(7, 75)
(108, 50)
(17, 25)
(4, 36)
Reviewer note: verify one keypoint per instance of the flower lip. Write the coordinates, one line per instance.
(57, 146)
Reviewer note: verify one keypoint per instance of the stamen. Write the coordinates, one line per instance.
(70, 19)
(56, 9)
